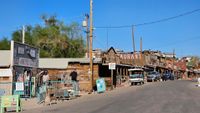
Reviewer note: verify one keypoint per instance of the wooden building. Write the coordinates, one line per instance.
(122, 65)
(6, 75)
(61, 68)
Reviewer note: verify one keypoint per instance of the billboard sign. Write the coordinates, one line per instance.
(24, 55)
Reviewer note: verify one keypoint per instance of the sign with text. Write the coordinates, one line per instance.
(112, 66)
(10, 101)
(24, 55)
(19, 86)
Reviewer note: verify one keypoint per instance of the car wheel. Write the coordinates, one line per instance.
(132, 84)
(135, 83)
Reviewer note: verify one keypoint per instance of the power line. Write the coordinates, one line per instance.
(151, 22)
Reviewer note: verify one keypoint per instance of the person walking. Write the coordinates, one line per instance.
(45, 77)
(74, 76)
(45, 94)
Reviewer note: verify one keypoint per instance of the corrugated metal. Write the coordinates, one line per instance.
(5, 58)
(62, 63)
(57, 63)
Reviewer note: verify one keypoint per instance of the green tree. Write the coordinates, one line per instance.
(4, 44)
(29, 39)
(55, 38)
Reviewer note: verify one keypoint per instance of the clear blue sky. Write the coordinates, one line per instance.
(181, 34)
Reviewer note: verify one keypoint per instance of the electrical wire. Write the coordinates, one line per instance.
(151, 22)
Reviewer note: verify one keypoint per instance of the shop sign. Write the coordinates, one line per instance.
(10, 101)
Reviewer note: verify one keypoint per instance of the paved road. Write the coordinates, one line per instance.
(161, 97)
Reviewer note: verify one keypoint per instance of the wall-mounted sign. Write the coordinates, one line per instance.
(19, 86)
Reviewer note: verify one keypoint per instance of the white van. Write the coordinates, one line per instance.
(136, 76)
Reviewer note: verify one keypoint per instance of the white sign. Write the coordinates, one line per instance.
(112, 66)
(32, 53)
(5, 72)
(20, 50)
(19, 86)
(26, 62)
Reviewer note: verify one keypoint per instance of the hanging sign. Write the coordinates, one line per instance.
(112, 66)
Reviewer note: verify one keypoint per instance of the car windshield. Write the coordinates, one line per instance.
(136, 76)
(152, 73)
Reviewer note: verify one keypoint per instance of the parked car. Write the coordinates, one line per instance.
(167, 76)
(153, 76)
(136, 76)
(172, 77)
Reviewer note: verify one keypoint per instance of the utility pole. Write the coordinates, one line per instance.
(141, 58)
(134, 60)
(173, 60)
(91, 36)
(23, 34)
(87, 32)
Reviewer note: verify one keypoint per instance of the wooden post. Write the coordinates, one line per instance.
(91, 37)
(111, 78)
(134, 60)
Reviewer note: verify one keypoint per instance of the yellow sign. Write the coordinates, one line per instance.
(10, 101)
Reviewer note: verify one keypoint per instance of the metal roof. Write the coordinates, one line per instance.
(136, 69)
(56, 63)
(62, 63)
(5, 58)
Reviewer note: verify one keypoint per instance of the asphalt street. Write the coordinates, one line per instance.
(160, 97)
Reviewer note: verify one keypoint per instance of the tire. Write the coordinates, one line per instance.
(143, 82)
(135, 83)
(132, 84)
